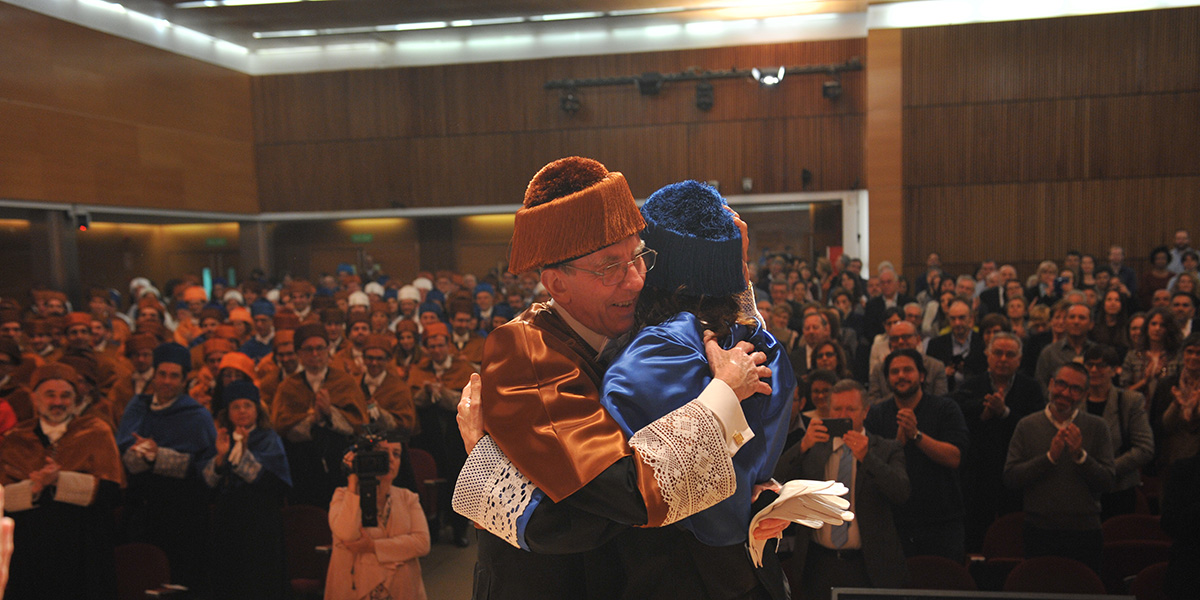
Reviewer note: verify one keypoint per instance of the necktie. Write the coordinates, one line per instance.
(841, 533)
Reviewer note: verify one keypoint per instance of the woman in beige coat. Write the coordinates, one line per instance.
(377, 562)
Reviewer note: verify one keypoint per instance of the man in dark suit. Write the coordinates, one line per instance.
(889, 295)
(962, 349)
(993, 299)
(992, 403)
(1183, 307)
(865, 552)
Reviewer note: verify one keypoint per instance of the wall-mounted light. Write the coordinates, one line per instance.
(704, 96)
(569, 102)
(768, 78)
(832, 89)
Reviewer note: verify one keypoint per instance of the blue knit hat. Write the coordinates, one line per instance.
(262, 307)
(173, 353)
(699, 246)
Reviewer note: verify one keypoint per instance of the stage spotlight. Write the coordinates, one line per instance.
(650, 84)
(832, 89)
(770, 79)
(704, 96)
(569, 102)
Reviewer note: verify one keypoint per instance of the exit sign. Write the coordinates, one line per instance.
(216, 242)
(362, 238)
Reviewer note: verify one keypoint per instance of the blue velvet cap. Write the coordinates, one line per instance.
(262, 307)
(699, 246)
(240, 390)
(173, 353)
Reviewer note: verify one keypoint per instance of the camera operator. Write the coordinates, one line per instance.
(380, 561)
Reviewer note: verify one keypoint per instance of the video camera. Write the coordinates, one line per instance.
(368, 464)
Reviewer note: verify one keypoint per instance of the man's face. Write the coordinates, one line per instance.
(887, 284)
(285, 355)
(1181, 239)
(1183, 309)
(79, 337)
(818, 394)
(97, 306)
(444, 285)
(359, 332)
(964, 287)
(334, 330)
(213, 360)
(604, 309)
(1067, 389)
(263, 324)
(1100, 373)
(461, 323)
(148, 315)
(855, 267)
(208, 326)
(1116, 255)
(934, 260)
(815, 331)
(1190, 263)
(873, 287)
(904, 379)
(528, 282)
(484, 300)
(428, 318)
(314, 354)
(142, 360)
(1008, 272)
(168, 381)
(437, 348)
(912, 314)
(54, 306)
(40, 340)
(11, 330)
(54, 401)
(903, 335)
(1079, 321)
(779, 292)
(1103, 280)
(960, 320)
(1071, 262)
(1003, 358)
(1161, 299)
(848, 405)
(301, 301)
(375, 361)
(99, 333)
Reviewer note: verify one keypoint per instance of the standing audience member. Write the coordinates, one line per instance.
(1125, 413)
(889, 296)
(250, 474)
(1175, 410)
(903, 335)
(164, 436)
(962, 349)
(1181, 521)
(62, 477)
(1062, 461)
(867, 551)
(992, 404)
(1156, 355)
(1077, 323)
(934, 435)
(388, 395)
(379, 561)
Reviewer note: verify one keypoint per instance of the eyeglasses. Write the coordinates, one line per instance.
(1095, 365)
(1076, 390)
(313, 349)
(615, 273)
(374, 357)
(825, 355)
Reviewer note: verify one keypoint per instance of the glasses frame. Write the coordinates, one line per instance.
(617, 271)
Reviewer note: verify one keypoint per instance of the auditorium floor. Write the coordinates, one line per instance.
(448, 570)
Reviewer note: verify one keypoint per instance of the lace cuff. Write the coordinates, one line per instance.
(248, 468)
(747, 306)
(687, 452)
(492, 492)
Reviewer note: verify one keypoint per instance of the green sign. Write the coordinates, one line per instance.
(216, 242)
(362, 238)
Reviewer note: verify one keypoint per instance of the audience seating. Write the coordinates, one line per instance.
(1123, 528)
(1125, 559)
(307, 542)
(1003, 549)
(425, 471)
(1149, 583)
(939, 573)
(142, 572)
(1053, 575)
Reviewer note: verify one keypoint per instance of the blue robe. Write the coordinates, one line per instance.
(663, 368)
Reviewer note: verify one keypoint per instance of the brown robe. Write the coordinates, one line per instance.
(87, 447)
(294, 399)
(395, 397)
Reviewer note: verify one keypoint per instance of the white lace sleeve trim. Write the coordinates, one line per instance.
(691, 464)
(492, 492)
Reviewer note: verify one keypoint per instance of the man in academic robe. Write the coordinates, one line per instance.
(349, 359)
(79, 338)
(12, 391)
(62, 477)
(388, 395)
(316, 411)
(163, 437)
(278, 365)
(262, 312)
(468, 344)
(139, 350)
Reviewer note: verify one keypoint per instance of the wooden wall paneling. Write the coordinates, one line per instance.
(995, 143)
(803, 148)
(842, 153)
(882, 145)
(731, 151)
(491, 97)
(381, 103)
(650, 157)
(1147, 135)
(330, 176)
(301, 107)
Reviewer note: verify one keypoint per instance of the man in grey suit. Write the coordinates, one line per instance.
(865, 552)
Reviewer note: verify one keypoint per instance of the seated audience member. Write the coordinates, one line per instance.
(816, 330)
(387, 393)
(815, 399)
(62, 477)
(1183, 308)
(164, 436)
(1157, 277)
(334, 322)
(992, 404)
(468, 344)
(880, 346)
(829, 356)
(380, 561)
(962, 348)
(889, 296)
(1043, 291)
(777, 324)
(250, 475)
(1125, 413)
(934, 435)
(1175, 410)
(349, 359)
(261, 341)
(867, 551)
(436, 382)
(1077, 323)
(281, 363)
(903, 335)
(1062, 461)
(316, 411)
(1156, 355)
(936, 319)
(408, 350)
(139, 350)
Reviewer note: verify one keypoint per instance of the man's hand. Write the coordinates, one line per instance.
(815, 434)
(993, 405)
(45, 476)
(1058, 444)
(324, 404)
(857, 443)
(147, 446)
(906, 425)
(1073, 439)
(470, 418)
(770, 528)
(223, 446)
(738, 367)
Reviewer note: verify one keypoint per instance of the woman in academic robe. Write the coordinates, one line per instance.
(250, 475)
